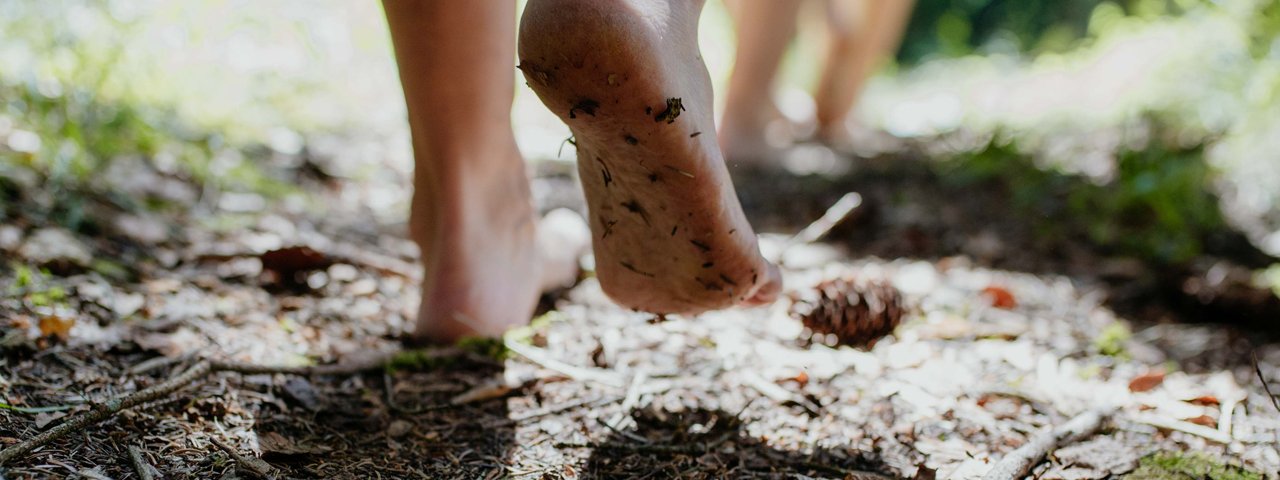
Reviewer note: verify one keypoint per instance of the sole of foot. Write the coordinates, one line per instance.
(627, 77)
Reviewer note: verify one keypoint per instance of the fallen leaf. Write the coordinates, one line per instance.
(1204, 420)
(45, 418)
(287, 262)
(56, 326)
(1205, 400)
(1000, 297)
(1146, 381)
(56, 249)
(801, 379)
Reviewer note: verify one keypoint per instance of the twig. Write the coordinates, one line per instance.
(254, 465)
(106, 410)
(629, 402)
(777, 393)
(552, 411)
(835, 214)
(1257, 368)
(198, 371)
(540, 357)
(140, 464)
(1184, 427)
(1017, 463)
(665, 449)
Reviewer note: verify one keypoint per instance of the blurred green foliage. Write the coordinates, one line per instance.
(962, 27)
(65, 127)
(1159, 205)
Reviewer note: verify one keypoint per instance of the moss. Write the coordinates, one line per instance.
(433, 359)
(486, 347)
(1171, 465)
(420, 360)
(1111, 341)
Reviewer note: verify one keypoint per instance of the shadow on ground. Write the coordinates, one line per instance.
(400, 424)
(705, 444)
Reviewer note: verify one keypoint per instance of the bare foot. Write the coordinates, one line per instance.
(627, 78)
(486, 260)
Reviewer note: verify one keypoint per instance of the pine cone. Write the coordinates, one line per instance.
(857, 313)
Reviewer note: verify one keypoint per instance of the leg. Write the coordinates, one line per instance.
(628, 79)
(765, 28)
(860, 40)
(471, 213)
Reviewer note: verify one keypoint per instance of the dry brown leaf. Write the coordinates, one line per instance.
(43, 419)
(1146, 381)
(56, 326)
(287, 262)
(1204, 420)
(1205, 400)
(801, 378)
(1000, 297)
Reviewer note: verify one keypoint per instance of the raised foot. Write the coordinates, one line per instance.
(668, 232)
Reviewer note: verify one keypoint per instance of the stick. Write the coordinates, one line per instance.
(106, 410)
(1258, 369)
(1212, 434)
(140, 464)
(198, 371)
(777, 393)
(835, 214)
(629, 402)
(539, 356)
(1017, 463)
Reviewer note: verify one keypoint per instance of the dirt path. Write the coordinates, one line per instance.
(594, 391)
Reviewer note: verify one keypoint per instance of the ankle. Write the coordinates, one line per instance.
(483, 192)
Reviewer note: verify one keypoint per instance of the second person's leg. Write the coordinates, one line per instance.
(863, 34)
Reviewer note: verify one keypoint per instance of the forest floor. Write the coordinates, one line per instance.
(1008, 334)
